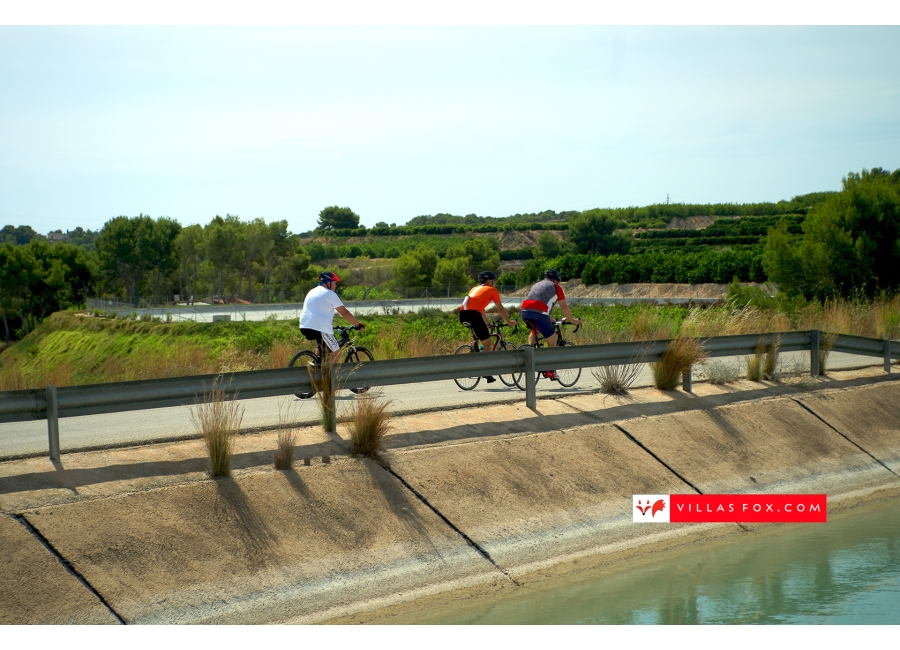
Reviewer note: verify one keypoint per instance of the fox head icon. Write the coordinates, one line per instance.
(643, 509)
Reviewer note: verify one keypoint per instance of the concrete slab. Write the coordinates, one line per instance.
(266, 546)
(771, 445)
(36, 589)
(448, 427)
(868, 416)
(506, 495)
(34, 482)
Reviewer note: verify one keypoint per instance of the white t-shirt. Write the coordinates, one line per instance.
(318, 309)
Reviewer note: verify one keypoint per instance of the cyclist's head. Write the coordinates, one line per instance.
(553, 274)
(484, 276)
(327, 276)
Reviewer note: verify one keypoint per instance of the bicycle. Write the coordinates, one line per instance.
(566, 378)
(355, 354)
(470, 383)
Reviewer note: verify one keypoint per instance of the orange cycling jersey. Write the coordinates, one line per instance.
(480, 297)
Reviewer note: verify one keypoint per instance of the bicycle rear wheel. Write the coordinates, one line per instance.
(508, 380)
(519, 378)
(569, 376)
(355, 355)
(467, 383)
(303, 360)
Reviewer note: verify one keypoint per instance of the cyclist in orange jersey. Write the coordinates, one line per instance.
(472, 310)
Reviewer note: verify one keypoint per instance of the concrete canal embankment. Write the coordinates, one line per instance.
(463, 502)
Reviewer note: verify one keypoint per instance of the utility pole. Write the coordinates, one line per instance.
(667, 199)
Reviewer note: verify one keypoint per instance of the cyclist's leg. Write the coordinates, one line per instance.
(328, 343)
(480, 329)
(543, 324)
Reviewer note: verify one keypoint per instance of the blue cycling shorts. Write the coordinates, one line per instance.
(542, 322)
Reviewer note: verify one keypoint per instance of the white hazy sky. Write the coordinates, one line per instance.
(395, 122)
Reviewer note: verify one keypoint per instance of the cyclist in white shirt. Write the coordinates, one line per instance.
(318, 313)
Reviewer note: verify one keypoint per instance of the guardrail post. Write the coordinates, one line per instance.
(332, 368)
(530, 378)
(53, 422)
(887, 356)
(814, 353)
(687, 380)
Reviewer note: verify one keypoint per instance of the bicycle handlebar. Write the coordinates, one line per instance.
(565, 322)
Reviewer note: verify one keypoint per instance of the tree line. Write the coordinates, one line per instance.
(816, 245)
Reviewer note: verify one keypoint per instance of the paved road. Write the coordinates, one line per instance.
(135, 427)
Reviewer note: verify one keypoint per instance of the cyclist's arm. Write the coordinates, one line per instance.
(565, 310)
(503, 313)
(343, 311)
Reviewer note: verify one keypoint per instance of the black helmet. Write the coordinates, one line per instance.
(553, 274)
(484, 276)
(328, 276)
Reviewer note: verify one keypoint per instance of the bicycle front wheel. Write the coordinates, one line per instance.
(467, 383)
(356, 355)
(569, 376)
(508, 380)
(303, 360)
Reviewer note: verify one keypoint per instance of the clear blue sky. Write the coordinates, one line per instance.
(190, 122)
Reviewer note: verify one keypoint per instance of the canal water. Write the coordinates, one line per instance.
(846, 571)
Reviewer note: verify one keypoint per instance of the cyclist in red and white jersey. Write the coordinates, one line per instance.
(538, 305)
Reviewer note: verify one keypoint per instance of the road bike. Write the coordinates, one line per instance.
(355, 354)
(567, 377)
(499, 343)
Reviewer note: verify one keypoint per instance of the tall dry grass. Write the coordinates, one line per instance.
(701, 323)
(826, 343)
(325, 386)
(617, 380)
(287, 435)
(218, 421)
(280, 354)
(369, 423)
(764, 362)
(18, 378)
(651, 324)
(681, 354)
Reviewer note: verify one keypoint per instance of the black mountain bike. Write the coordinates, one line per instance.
(499, 343)
(567, 377)
(355, 354)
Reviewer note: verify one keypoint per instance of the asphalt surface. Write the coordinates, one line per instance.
(139, 427)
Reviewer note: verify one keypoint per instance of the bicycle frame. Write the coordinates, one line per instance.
(540, 339)
(495, 333)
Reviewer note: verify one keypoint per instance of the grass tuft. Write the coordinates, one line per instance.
(826, 342)
(369, 422)
(287, 436)
(764, 362)
(218, 420)
(323, 381)
(681, 354)
(616, 380)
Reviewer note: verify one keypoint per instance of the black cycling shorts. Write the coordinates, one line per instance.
(474, 318)
(324, 339)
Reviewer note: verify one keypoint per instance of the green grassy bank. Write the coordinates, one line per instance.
(76, 348)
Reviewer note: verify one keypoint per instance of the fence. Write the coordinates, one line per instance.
(53, 403)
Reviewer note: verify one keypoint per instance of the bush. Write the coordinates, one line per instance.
(369, 422)
(681, 354)
(218, 421)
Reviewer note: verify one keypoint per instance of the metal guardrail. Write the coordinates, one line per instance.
(54, 402)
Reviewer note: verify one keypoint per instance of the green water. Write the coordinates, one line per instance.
(846, 571)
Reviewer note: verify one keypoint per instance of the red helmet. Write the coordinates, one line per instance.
(328, 276)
